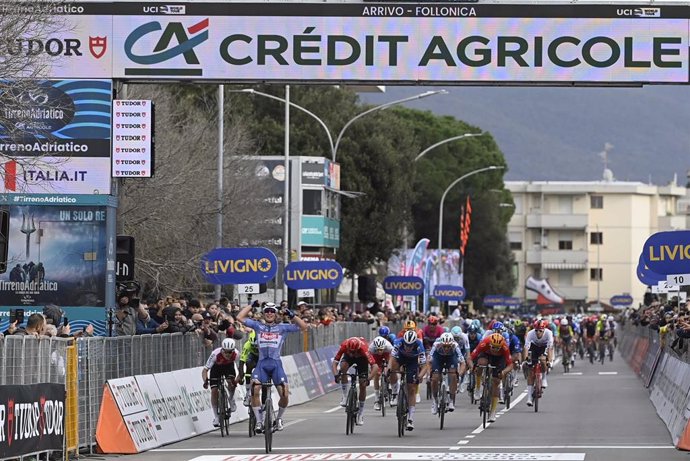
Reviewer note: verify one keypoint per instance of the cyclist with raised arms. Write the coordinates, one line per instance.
(353, 351)
(408, 351)
(270, 338)
(221, 362)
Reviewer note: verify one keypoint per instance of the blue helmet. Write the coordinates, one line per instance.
(455, 331)
(446, 329)
(498, 326)
(384, 331)
(473, 329)
(477, 323)
(392, 337)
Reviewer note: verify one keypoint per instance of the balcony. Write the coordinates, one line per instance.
(558, 259)
(557, 221)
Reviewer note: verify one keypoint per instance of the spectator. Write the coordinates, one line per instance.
(34, 326)
(175, 321)
(148, 326)
(125, 317)
(193, 307)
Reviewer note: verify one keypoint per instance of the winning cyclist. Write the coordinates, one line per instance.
(381, 350)
(538, 343)
(492, 350)
(353, 351)
(248, 358)
(408, 351)
(445, 353)
(221, 362)
(270, 338)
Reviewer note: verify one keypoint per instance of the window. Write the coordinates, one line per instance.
(515, 239)
(565, 244)
(596, 238)
(596, 201)
(311, 202)
(516, 246)
(596, 274)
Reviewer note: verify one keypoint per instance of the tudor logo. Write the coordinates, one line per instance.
(98, 46)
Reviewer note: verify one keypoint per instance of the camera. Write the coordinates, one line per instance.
(131, 290)
(17, 315)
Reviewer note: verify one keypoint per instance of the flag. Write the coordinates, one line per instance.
(465, 224)
(415, 259)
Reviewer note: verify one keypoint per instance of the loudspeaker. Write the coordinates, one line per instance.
(366, 288)
(124, 253)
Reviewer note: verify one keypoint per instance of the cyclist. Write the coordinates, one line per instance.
(538, 343)
(604, 334)
(565, 336)
(411, 325)
(492, 350)
(385, 332)
(270, 338)
(445, 353)
(589, 328)
(248, 358)
(381, 350)
(408, 351)
(520, 331)
(515, 349)
(221, 362)
(431, 332)
(353, 351)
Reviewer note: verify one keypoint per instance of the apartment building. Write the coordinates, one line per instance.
(586, 236)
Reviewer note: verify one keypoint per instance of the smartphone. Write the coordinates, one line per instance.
(134, 302)
(65, 321)
(17, 315)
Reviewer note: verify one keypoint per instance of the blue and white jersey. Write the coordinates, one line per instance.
(464, 342)
(437, 350)
(270, 338)
(405, 351)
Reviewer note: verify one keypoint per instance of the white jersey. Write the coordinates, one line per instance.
(463, 341)
(386, 350)
(545, 340)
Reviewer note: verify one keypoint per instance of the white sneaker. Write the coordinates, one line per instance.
(516, 381)
(233, 405)
(492, 417)
(278, 424)
(377, 406)
(343, 401)
(530, 401)
(434, 407)
(544, 384)
(451, 406)
(477, 394)
(246, 402)
(215, 422)
(360, 420)
(410, 425)
(259, 428)
(394, 400)
(418, 398)
(501, 399)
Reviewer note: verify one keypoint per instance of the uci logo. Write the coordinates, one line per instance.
(165, 49)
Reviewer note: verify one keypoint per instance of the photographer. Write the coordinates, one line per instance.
(126, 316)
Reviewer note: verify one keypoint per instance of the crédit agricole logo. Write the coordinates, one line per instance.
(175, 40)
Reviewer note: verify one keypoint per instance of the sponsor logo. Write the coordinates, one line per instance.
(639, 12)
(166, 9)
(10, 175)
(98, 46)
(187, 39)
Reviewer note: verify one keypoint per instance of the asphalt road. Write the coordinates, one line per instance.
(596, 413)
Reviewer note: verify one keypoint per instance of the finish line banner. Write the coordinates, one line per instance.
(391, 43)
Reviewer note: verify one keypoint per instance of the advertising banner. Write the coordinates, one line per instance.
(57, 254)
(403, 286)
(33, 419)
(239, 265)
(314, 172)
(449, 293)
(446, 267)
(298, 391)
(158, 409)
(313, 274)
(177, 405)
(199, 399)
(311, 382)
(647, 276)
(420, 43)
(127, 395)
(668, 252)
(140, 428)
(133, 138)
(621, 300)
(319, 231)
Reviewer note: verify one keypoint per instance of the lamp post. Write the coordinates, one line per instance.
(443, 199)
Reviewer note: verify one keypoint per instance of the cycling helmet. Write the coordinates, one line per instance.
(410, 337)
(410, 325)
(392, 338)
(228, 344)
(455, 331)
(603, 317)
(447, 338)
(252, 337)
(384, 331)
(473, 329)
(446, 330)
(432, 320)
(477, 323)
(497, 326)
(497, 341)
(564, 322)
(352, 344)
(518, 322)
(269, 306)
(380, 343)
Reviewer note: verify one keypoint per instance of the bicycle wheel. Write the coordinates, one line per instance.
(222, 408)
(351, 409)
(508, 390)
(442, 403)
(470, 387)
(537, 387)
(268, 425)
(383, 400)
(402, 409)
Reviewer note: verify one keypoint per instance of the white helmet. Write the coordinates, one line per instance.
(380, 342)
(228, 344)
(410, 337)
(447, 338)
(564, 322)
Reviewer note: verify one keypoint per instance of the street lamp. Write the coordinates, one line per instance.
(443, 198)
(454, 138)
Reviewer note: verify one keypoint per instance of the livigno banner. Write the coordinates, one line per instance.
(56, 255)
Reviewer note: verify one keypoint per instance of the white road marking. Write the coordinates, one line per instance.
(470, 436)
(463, 442)
(421, 447)
(333, 410)
(608, 372)
(402, 456)
(574, 373)
(517, 400)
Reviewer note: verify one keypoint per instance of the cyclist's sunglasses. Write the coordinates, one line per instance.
(270, 310)
(539, 330)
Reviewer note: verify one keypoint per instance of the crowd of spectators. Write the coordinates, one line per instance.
(670, 318)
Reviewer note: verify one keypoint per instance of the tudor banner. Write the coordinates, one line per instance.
(32, 419)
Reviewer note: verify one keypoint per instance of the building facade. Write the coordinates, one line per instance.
(586, 237)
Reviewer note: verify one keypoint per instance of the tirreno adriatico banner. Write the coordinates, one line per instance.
(360, 42)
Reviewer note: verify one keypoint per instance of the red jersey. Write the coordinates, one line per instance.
(362, 351)
(484, 348)
(420, 333)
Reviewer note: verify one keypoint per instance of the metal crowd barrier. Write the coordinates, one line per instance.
(85, 364)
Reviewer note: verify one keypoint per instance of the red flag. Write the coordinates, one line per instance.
(466, 224)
